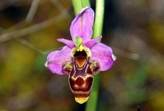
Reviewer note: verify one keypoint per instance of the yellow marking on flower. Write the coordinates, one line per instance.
(68, 65)
(80, 48)
(79, 41)
(81, 100)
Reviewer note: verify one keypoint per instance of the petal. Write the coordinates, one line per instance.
(82, 24)
(56, 59)
(93, 42)
(69, 43)
(103, 54)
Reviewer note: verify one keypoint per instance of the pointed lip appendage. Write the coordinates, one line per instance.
(81, 100)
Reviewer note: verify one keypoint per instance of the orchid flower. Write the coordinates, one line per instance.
(82, 57)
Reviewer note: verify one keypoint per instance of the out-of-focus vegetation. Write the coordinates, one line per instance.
(29, 29)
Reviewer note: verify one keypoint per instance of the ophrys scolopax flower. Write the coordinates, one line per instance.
(81, 57)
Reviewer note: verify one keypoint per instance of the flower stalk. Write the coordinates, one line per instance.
(98, 25)
(79, 4)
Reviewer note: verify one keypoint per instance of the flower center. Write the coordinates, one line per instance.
(80, 59)
(80, 56)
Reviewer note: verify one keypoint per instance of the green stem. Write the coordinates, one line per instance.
(92, 103)
(99, 18)
(85, 3)
(79, 4)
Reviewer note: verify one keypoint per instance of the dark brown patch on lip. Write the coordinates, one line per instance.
(81, 84)
(79, 81)
(81, 95)
(80, 58)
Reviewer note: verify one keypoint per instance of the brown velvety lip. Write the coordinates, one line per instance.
(81, 88)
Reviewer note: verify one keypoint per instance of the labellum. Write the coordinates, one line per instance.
(81, 72)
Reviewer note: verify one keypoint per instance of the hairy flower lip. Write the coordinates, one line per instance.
(84, 86)
(81, 93)
(85, 76)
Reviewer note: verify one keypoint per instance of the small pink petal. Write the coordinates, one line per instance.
(69, 43)
(93, 42)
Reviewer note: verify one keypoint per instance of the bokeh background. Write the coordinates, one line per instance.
(29, 29)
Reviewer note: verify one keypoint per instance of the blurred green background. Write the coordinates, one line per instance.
(29, 29)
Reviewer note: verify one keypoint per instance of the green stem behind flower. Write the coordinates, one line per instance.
(92, 103)
(98, 26)
(85, 3)
(79, 4)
